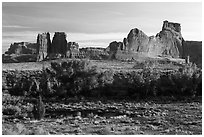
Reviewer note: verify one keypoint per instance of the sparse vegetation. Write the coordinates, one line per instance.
(79, 80)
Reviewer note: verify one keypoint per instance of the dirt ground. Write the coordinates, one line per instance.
(124, 117)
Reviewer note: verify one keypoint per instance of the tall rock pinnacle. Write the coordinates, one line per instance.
(44, 43)
(59, 43)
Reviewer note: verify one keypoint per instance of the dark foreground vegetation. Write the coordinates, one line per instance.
(81, 99)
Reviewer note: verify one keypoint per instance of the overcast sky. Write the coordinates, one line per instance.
(96, 24)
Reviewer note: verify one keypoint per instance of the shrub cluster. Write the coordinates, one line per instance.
(16, 106)
(21, 83)
(73, 78)
(79, 77)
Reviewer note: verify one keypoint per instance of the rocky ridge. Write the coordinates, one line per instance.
(168, 42)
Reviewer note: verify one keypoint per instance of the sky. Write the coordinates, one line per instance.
(96, 24)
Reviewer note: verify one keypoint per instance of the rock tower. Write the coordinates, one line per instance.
(59, 43)
(44, 43)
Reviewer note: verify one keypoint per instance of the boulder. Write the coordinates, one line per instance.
(44, 44)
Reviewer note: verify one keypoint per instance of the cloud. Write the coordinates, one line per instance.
(15, 26)
(11, 37)
(97, 36)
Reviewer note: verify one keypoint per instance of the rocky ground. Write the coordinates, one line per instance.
(126, 117)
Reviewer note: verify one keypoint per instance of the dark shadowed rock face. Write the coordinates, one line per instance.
(114, 46)
(193, 49)
(59, 43)
(22, 48)
(44, 44)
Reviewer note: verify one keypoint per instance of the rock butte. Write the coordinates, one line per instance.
(167, 43)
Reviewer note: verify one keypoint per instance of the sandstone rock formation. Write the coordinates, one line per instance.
(44, 45)
(114, 46)
(137, 41)
(72, 45)
(22, 48)
(20, 52)
(168, 42)
(171, 39)
(59, 43)
(72, 50)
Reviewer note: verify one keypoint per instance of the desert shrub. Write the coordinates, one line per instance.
(99, 84)
(184, 82)
(105, 78)
(187, 80)
(69, 78)
(16, 106)
(14, 81)
(151, 77)
(11, 110)
(20, 83)
(135, 84)
(144, 83)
